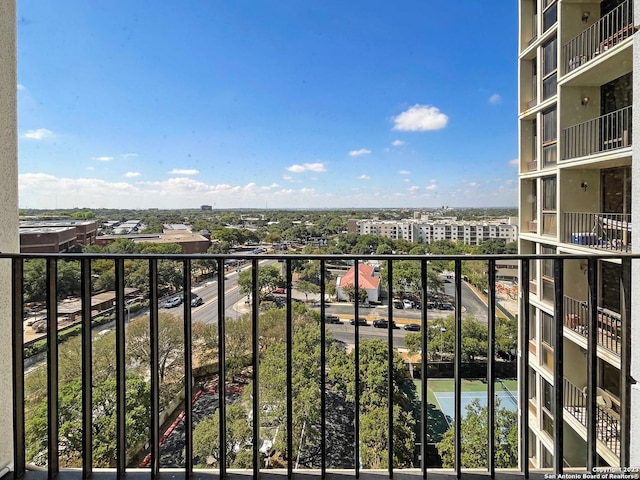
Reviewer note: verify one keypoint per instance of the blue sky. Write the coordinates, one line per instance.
(278, 104)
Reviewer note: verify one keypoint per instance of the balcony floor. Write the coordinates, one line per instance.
(408, 474)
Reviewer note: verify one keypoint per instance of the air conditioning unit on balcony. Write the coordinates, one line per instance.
(531, 166)
(533, 226)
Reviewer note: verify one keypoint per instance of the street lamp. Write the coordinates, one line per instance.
(442, 330)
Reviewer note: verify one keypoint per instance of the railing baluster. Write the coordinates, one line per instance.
(323, 376)
(390, 388)
(188, 371)
(17, 338)
(121, 377)
(52, 366)
(289, 369)
(356, 359)
(625, 363)
(424, 424)
(222, 384)
(558, 366)
(457, 369)
(154, 368)
(523, 369)
(592, 363)
(491, 368)
(255, 359)
(87, 370)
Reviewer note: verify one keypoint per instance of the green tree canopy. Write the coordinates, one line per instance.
(475, 452)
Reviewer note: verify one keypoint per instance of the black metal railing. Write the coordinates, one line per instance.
(276, 415)
(600, 37)
(602, 231)
(601, 134)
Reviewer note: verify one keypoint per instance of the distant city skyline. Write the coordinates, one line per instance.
(282, 105)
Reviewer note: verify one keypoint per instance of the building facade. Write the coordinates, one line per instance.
(577, 63)
(428, 231)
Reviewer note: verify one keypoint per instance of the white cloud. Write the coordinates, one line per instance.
(495, 99)
(357, 153)
(184, 171)
(404, 172)
(364, 177)
(132, 174)
(420, 118)
(39, 134)
(398, 143)
(407, 180)
(129, 155)
(20, 86)
(307, 167)
(474, 184)
(514, 163)
(103, 159)
(414, 188)
(432, 187)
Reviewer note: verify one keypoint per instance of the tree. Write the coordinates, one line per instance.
(475, 450)
(269, 277)
(170, 344)
(407, 276)
(350, 291)
(374, 401)
(206, 436)
(307, 288)
(104, 421)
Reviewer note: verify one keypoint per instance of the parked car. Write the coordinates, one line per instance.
(279, 291)
(397, 305)
(431, 305)
(383, 323)
(407, 304)
(446, 306)
(197, 301)
(412, 327)
(172, 302)
(331, 319)
(361, 321)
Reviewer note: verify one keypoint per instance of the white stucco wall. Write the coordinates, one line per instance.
(635, 272)
(9, 240)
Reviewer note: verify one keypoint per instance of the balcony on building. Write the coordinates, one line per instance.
(607, 417)
(601, 33)
(611, 435)
(598, 198)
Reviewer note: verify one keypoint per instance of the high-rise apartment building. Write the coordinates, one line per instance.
(577, 69)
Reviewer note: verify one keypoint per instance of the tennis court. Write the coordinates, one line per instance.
(446, 401)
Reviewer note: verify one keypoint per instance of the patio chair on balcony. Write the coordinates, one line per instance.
(614, 234)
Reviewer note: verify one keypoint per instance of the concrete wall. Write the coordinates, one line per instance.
(9, 241)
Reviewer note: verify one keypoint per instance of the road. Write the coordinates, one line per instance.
(208, 312)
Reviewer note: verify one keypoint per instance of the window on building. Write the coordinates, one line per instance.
(533, 384)
(547, 328)
(533, 324)
(549, 137)
(547, 458)
(549, 217)
(547, 354)
(549, 68)
(549, 14)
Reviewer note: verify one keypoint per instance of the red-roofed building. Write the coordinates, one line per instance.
(367, 280)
